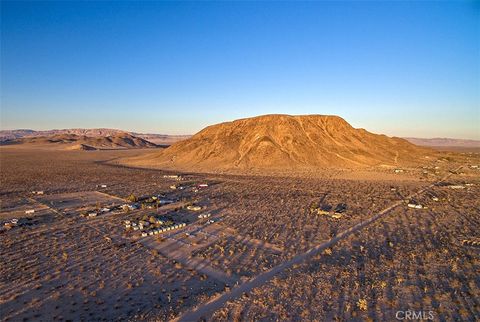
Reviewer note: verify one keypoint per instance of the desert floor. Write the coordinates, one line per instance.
(263, 251)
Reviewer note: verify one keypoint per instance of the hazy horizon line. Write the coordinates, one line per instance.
(191, 134)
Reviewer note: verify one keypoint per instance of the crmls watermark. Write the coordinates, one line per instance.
(414, 315)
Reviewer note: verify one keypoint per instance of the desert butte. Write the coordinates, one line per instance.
(282, 142)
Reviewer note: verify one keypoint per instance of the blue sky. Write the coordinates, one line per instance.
(399, 68)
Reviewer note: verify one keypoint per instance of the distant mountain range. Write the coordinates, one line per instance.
(445, 142)
(7, 136)
(82, 142)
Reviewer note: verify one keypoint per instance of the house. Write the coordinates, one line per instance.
(144, 223)
(435, 198)
(456, 187)
(30, 211)
(320, 210)
(128, 207)
(144, 234)
(92, 214)
(413, 204)
(471, 242)
(336, 213)
(103, 186)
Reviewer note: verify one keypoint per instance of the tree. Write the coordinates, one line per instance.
(132, 198)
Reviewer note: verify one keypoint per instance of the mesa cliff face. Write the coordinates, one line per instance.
(282, 142)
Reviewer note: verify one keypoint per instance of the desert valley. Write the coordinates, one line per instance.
(271, 218)
(239, 161)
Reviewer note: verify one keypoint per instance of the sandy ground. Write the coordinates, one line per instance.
(266, 256)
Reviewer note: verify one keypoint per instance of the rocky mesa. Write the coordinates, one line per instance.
(282, 142)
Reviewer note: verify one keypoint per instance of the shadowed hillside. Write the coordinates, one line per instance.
(159, 139)
(82, 142)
